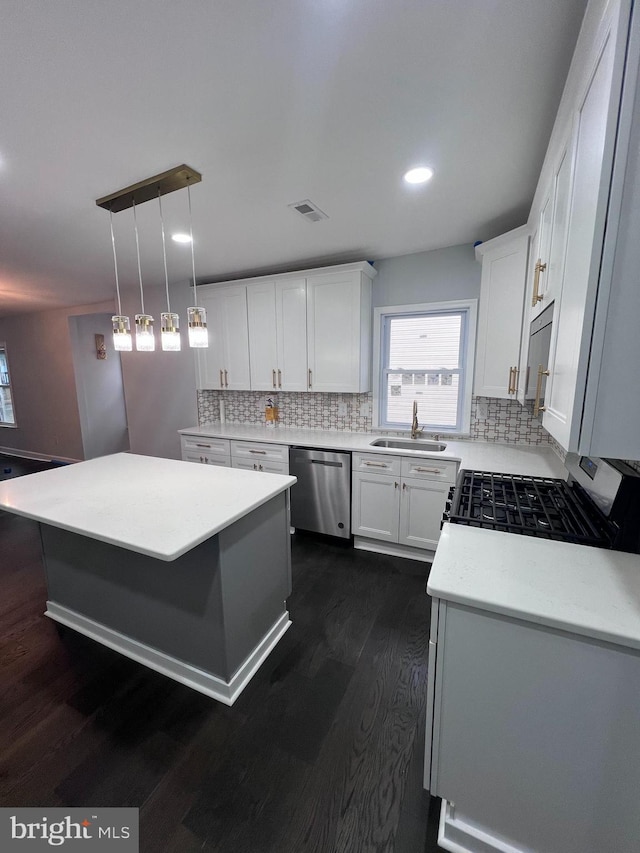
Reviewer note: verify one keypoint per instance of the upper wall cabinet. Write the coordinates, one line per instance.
(225, 362)
(502, 289)
(339, 331)
(303, 331)
(580, 290)
(277, 312)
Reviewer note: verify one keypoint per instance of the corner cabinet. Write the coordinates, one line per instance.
(500, 315)
(302, 331)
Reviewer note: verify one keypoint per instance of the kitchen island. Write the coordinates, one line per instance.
(184, 568)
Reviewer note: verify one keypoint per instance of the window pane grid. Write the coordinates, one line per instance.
(7, 415)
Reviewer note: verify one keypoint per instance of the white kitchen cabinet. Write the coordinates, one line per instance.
(277, 317)
(595, 122)
(206, 451)
(399, 500)
(224, 364)
(531, 732)
(339, 330)
(260, 456)
(500, 315)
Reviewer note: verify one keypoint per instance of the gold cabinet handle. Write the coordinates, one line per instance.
(279, 378)
(309, 377)
(395, 485)
(226, 379)
(208, 446)
(221, 378)
(376, 464)
(513, 380)
(429, 470)
(273, 377)
(259, 467)
(261, 452)
(516, 374)
(537, 297)
(404, 486)
(537, 408)
(509, 391)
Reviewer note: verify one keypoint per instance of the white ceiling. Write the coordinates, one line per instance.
(274, 101)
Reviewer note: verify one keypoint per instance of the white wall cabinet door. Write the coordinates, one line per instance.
(338, 331)
(502, 290)
(291, 317)
(421, 506)
(224, 364)
(541, 254)
(581, 268)
(263, 348)
(375, 506)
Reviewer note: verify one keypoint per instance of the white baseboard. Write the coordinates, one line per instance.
(198, 679)
(459, 837)
(41, 457)
(392, 549)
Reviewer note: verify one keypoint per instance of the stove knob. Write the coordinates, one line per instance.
(451, 491)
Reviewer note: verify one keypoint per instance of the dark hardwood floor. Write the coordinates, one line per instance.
(322, 753)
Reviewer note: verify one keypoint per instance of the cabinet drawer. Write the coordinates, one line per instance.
(263, 465)
(260, 451)
(203, 459)
(199, 445)
(376, 463)
(444, 470)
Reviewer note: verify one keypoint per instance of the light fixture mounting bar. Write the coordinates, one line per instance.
(167, 182)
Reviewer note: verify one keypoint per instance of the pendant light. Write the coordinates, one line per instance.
(145, 339)
(197, 317)
(121, 328)
(169, 321)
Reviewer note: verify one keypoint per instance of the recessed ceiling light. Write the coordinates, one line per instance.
(418, 175)
(181, 238)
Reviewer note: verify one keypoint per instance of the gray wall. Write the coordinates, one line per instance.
(43, 383)
(159, 387)
(100, 392)
(436, 276)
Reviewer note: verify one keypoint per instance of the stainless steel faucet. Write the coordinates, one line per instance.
(415, 426)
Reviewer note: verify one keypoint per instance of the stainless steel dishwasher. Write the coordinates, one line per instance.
(321, 499)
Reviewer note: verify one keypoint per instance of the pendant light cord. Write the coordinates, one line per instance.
(135, 225)
(164, 252)
(115, 262)
(193, 257)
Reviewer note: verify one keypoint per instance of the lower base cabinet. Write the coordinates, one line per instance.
(399, 500)
(532, 736)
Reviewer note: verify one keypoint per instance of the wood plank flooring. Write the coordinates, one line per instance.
(322, 753)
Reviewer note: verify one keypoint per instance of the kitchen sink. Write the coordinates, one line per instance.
(409, 444)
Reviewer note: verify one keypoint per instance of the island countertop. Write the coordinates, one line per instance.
(158, 507)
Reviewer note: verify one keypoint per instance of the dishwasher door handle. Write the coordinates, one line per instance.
(323, 462)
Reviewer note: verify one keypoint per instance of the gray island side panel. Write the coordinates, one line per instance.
(209, 608)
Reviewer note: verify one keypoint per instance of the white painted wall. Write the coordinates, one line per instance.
(99, 387)
(43, 383)
(437, 276)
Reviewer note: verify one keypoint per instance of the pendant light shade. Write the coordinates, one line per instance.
(198, 335)
(121, 333)
(170, 331)
(145, 339)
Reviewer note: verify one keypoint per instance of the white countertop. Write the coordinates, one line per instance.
(158, 507)
(529, 460)
(590, 591)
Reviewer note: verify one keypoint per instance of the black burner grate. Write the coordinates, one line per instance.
(534, 506)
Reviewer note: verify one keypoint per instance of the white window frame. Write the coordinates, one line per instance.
(9, 424)
(470, 306)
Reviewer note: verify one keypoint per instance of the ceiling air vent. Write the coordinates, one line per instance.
(308, 210)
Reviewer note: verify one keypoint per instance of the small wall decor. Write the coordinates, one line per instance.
(101, 350)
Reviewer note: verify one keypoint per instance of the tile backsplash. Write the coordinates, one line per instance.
(491, 420)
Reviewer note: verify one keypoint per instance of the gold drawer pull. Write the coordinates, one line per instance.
(428, 470)
(262, 452)
(537, 408)
(203, 445)
(376, 464)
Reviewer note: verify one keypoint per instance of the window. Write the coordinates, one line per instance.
(424, 354)
(7, 417)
